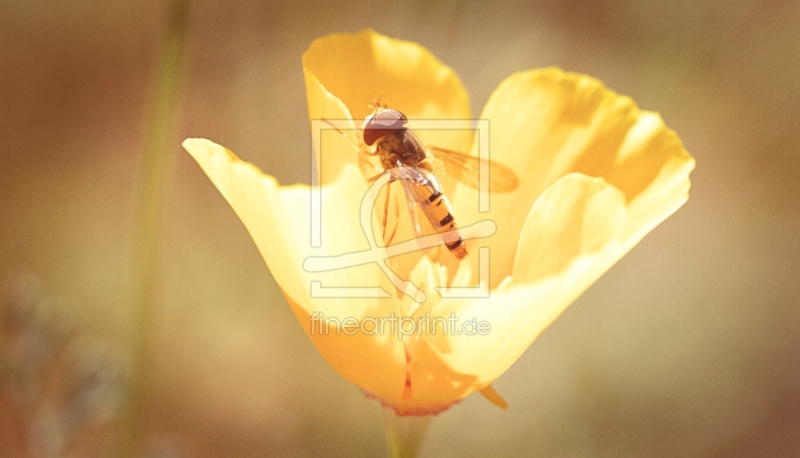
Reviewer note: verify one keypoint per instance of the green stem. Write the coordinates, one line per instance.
(404, 434)
(155, 166)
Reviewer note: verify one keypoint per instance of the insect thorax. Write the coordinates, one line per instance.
(402, 147)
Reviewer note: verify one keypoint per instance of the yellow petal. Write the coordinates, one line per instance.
(278, 219)
(344, 73)
(434, 382)
(338, 151)
(548, 123)
(569, 232)
(575, 216)
(514, 318)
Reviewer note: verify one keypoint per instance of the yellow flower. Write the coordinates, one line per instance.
(596, 175)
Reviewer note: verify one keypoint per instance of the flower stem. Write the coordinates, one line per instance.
(404, 434)
(154, 170)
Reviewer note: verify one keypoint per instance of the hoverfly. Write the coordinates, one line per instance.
(402, 154)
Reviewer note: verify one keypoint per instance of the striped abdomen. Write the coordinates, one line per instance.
(441, 218)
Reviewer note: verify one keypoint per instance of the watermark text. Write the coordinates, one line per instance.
(401, 326)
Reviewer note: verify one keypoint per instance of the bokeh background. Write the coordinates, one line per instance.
(689, 347)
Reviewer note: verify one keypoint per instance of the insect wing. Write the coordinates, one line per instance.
(419, 186)
(466, 169)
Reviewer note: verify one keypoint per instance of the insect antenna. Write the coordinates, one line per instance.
(376, 103)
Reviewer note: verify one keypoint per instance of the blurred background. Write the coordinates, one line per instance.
(689, 347)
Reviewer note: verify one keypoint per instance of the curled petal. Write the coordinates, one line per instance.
(344, 73)
(548, 123)
(278, 219)
(567, 238)
(578, 215)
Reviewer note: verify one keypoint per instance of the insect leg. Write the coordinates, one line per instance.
(386, 208)
(365, 165)
(388, 240)
(397, 221)
(352, 142)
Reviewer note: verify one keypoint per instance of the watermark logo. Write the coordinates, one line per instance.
(380, 255)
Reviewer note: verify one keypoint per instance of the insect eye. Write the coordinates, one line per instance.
(383, 123)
